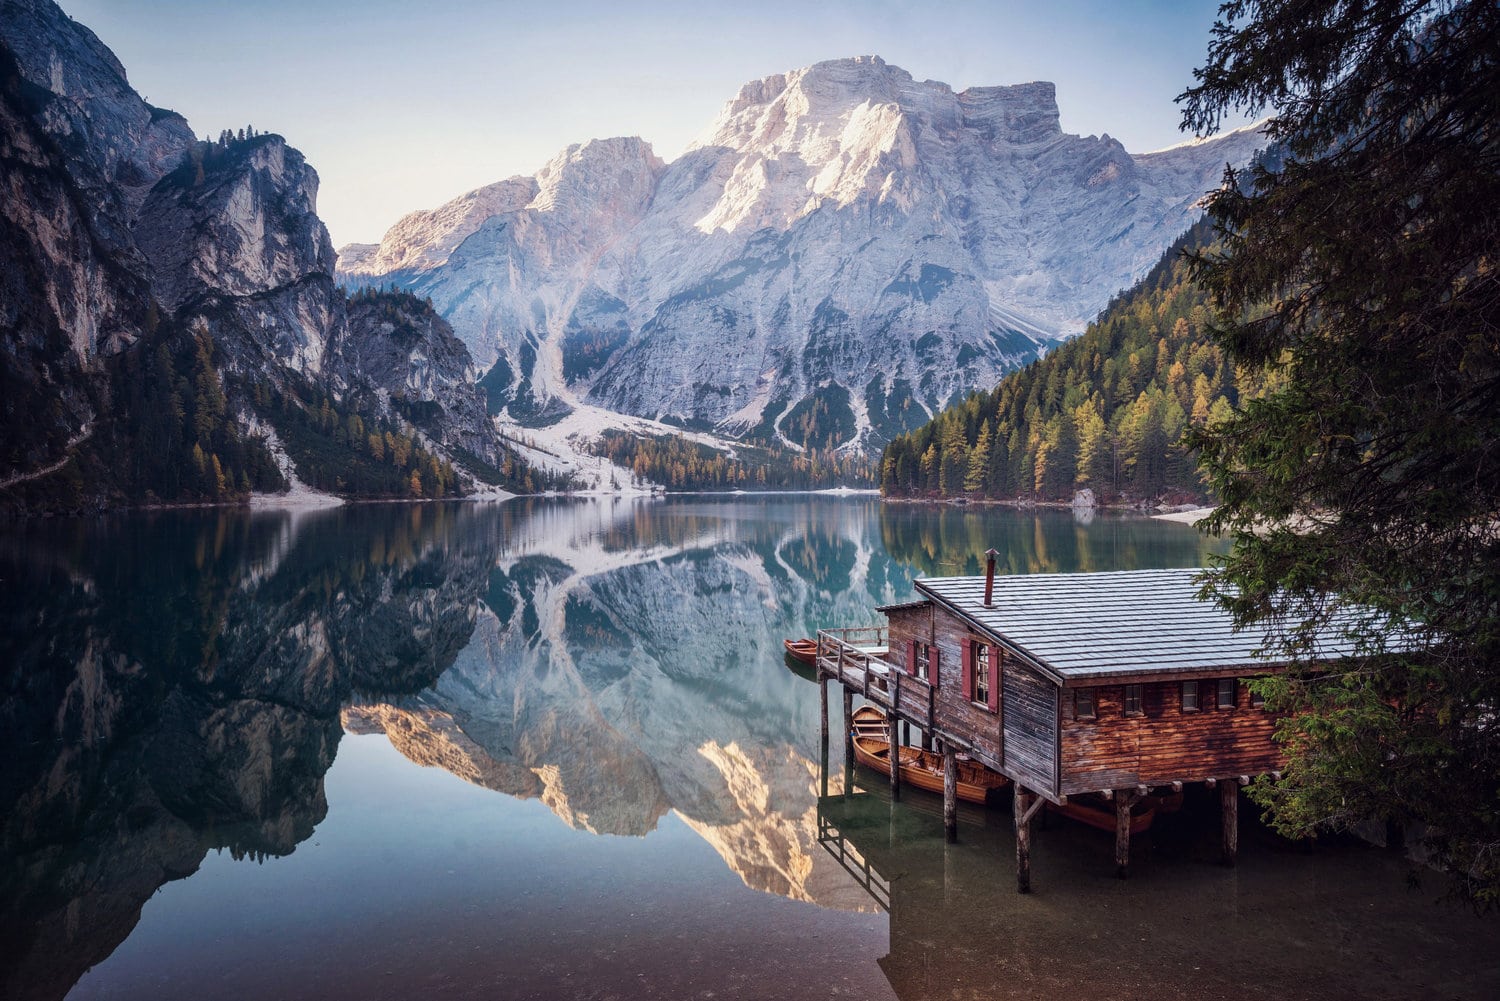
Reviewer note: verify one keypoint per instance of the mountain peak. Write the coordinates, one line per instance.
(586, 177)
(821, 101)
(1021, 114)
(843, 240)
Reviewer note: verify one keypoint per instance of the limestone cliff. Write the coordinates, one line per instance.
(137, 258)
(842, 236)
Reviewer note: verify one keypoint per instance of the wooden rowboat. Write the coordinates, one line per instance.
(804, 650)
(870, 722)
(923, 769)
(1096, 811)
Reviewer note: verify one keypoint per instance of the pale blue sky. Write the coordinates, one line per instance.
(403, 105)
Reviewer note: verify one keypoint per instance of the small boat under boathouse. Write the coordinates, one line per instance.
(1112, 686)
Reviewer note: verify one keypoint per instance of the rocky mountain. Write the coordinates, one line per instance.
(170, 328)
(840, 253)
(1105, 412)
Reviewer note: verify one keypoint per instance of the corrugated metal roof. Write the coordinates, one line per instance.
(1101, 624)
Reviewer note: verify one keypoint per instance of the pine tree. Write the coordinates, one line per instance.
(1358, 286)
(977, 475)
(954, 459)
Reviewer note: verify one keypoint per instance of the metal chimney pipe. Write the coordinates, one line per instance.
(989, 577)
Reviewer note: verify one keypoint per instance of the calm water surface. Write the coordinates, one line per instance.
(552, 750)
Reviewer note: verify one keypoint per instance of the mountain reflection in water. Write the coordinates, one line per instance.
(179, 683)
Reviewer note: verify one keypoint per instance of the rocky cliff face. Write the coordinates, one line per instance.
(113, 146)
(122, 237)
(399, 346)
(842, 235)
(234, 240)
(78, 151)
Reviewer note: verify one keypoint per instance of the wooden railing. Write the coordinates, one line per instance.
(858, 658)
(854, 862)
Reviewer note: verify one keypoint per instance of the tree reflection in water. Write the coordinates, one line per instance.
(180, 682)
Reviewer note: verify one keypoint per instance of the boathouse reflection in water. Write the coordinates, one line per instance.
(1290, 921)
(611, 668)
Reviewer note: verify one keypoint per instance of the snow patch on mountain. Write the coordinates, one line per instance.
(841, 239)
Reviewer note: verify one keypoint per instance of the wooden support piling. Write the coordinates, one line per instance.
(1229, 803)
(895, 762)
(823, 770)
(950, 794)
(1021, 806)
(848, 725)
(1123, 801)
(823, 703)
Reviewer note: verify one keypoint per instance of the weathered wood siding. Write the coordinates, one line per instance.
(1025, 703)
(905, 625)
(954, 712)
(1030, 726)
(1163, 744)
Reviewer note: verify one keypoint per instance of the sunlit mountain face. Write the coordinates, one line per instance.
(843, 242)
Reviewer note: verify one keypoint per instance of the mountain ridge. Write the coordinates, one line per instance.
(170, 328)
(841, 235)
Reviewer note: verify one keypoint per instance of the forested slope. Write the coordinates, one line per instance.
(1106, 410)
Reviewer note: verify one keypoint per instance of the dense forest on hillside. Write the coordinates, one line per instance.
(347, 449)
(682, 464)
(1106, 410)
(165, 433)
(171, 430)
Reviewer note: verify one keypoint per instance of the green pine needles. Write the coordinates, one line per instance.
(1360, 278)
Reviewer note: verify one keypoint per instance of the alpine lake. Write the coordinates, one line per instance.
(552, 748)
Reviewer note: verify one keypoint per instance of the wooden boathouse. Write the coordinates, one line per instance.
(1109, 686)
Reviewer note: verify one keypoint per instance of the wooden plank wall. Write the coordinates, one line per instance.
(1030, 702)
(907, 624)
(1164, 744)
(954, 713)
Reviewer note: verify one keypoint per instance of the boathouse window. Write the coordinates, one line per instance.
(916, 657)
(981, 674)
(1083, 703)
(1190, 696)
(1257, 700)
(1132, 700)
(922, 660)
(979, 664)
(1226, 693)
